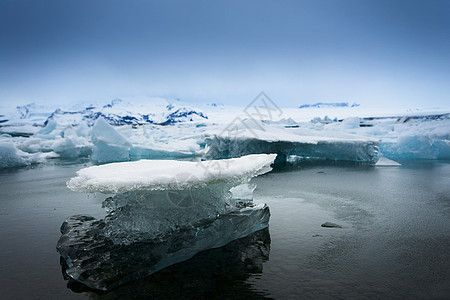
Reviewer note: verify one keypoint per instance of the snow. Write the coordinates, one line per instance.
(161, 174)
(119, 112)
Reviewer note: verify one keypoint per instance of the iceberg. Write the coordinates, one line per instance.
(251, 137)
(412, 137)
(65, 140)
(111, 145)
(360, 151)
(11, 157)
(241, 258)
(163, 212)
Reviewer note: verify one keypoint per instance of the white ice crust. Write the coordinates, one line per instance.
(168, 174)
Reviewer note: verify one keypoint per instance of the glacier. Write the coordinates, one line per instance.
(165, 129)
(163, 212)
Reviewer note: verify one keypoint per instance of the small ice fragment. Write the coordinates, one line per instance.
(331, 225)
(243, 191)
(386, 162)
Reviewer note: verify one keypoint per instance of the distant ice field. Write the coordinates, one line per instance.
(161, 128)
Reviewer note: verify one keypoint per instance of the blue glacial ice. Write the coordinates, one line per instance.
(163, 212)
(249, 137)
(111, 145)
(13, 157)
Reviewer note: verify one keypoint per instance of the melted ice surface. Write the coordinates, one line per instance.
(168, 174)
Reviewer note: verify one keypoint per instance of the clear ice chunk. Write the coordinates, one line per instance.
(95, 260)
(238, 259)
(159, 217)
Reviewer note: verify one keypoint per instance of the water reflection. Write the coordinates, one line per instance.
(215, 273)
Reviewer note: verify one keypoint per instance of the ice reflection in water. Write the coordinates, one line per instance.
(215, 273)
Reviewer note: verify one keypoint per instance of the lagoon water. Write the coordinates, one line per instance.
(394, 242)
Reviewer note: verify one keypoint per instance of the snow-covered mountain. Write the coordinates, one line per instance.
(328, 105)
(117, 112)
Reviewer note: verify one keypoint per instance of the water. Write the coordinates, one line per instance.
(394, 241)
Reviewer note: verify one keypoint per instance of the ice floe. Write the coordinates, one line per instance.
(163, 212)
(159, 174)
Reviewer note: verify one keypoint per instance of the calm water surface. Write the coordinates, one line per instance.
(394, 241)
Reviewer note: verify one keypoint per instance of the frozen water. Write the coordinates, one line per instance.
(323, 131)
(249, 136)
(223, 147)
(163, 212)
(109, 145)
(13, 157)
(243, 192)
(147, 175)
(386, 162)
(94, 260)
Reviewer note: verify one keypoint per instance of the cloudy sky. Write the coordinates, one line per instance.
(374, 53)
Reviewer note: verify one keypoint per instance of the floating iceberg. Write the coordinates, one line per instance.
(250, 137)
(11, 157)
(412, 137)
(163, 212)
(241, 258)
(111, 145)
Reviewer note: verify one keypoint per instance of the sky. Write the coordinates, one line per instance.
(375, 53)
